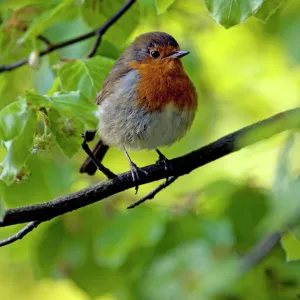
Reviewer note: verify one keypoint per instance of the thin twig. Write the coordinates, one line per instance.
(153, 193)
(102, 30)
(95, 46)
(259, 252)
(20, 234)
(178, 167)
(45, 40)
(108, 173)
(99, 31)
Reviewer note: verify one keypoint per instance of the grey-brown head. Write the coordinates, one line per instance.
(153, 46)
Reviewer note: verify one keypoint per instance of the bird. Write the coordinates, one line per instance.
(147, 101)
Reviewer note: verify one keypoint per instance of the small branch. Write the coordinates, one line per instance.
(45, 40)
(95, 46)
(259, 252)
(103, 29)
(19, 235)
(153, 193)
(99, 32)
(178, 167)
(108, 173)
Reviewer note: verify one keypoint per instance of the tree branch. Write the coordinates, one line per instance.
(178, 167)
(98, 31)
(20, 234)
(259, 252)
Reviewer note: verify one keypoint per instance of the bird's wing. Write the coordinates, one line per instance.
(119, 69)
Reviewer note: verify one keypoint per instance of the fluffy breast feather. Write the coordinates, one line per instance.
(123, 122)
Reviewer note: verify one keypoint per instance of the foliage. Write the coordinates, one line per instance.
(185, 243)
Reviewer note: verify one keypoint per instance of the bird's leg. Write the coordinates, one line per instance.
(109, 174)
(163, 160)
(135, 170)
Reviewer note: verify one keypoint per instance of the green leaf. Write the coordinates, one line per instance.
(147, 7)
(176, 274)
(218, 233)
(18, 149)
(163, 5)
(85, 75)
(190, 260)
(61, 11)
(109, 50)
(17, 4)
(80, 106)
(268, 8)
(12, 119)
(66, 130)
(47, 179)
(75, 102)
(232, 12)
(139, 228)
(291, 246)
(55, 87)
(35, 100)
(295, 230)
(247, 208)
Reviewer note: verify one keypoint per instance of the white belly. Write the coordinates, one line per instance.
(123, 124)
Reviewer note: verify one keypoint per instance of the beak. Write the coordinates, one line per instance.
(179, 54)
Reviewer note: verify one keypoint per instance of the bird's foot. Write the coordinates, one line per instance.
(136, 173)
(162, 160)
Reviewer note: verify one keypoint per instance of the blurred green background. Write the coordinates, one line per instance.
(182, 244)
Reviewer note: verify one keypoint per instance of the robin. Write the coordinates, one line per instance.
(147, 100)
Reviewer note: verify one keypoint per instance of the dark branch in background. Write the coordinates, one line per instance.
(99, 32)
(178, 167)
(259, 252)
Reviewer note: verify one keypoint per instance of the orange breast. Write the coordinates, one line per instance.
(162, 83)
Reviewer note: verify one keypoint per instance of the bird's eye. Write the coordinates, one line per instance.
(154, 54)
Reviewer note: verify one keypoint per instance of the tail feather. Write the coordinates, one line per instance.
(99, 151)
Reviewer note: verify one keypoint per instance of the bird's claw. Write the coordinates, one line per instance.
(136, 172)
(162, 160)
(166, 163)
